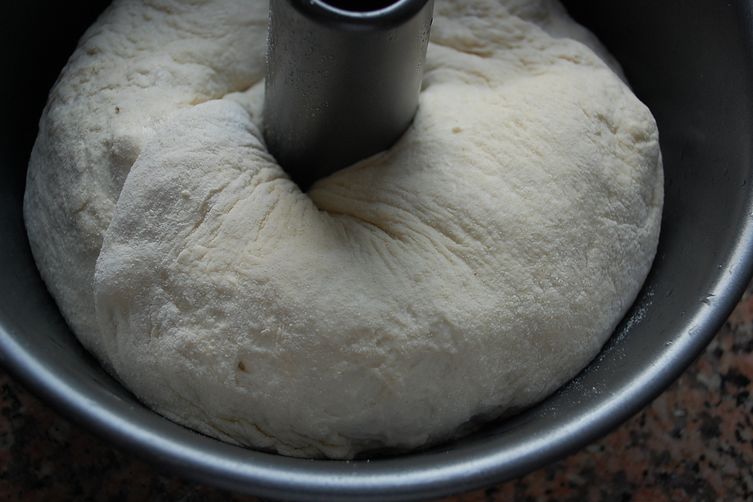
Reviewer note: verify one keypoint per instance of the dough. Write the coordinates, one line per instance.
(469, 271)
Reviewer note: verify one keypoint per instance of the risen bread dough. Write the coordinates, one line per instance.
(470, 270)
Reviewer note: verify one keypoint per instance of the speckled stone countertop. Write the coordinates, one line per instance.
(694, 442)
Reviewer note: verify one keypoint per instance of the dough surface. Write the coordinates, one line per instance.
(469, 271)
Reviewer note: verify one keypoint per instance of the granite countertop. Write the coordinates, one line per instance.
(693, 442)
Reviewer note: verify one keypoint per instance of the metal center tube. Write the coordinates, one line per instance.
(343, 78)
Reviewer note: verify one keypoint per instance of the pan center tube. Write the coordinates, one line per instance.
(343, 79)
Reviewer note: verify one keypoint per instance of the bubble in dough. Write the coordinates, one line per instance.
(468, 271)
